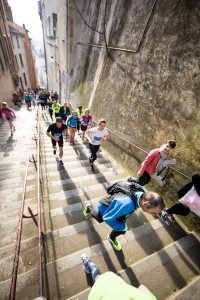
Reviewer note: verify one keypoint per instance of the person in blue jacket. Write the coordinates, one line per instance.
(114, 210)
(73, 123)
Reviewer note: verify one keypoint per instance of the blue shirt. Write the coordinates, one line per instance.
(119, 207)
(73, 122)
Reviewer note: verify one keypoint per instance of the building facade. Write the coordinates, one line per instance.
(8, 71)
(57, 19)
(24, 58)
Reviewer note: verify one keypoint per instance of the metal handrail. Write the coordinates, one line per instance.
(40, 267)
(132, 144)
(19, 233)
(38, 223)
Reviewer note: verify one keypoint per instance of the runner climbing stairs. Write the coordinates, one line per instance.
(163, 257)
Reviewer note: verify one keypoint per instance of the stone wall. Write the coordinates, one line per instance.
(150, 94)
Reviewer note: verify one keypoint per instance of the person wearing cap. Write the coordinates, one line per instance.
(73, 123)
(55, 131)
(85, 120)
(56, 108)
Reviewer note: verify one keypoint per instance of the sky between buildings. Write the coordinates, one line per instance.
(26, 12)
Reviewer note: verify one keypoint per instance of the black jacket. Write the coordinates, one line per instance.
(64, 115)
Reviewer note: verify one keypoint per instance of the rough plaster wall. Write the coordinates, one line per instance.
(156, 89)
(6, 88)
(151, 95)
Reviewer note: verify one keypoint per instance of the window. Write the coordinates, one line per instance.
(1, 65)
(13, 45)
(51, 25)
(25, 78)
(17, 41)
(16, 62)
(20, 79)
(21, 60)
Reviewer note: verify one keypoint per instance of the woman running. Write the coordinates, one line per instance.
(73, 123)
(97, 135)
(85, 119)
(9, 115)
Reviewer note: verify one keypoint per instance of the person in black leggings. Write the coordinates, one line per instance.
(97, 135)
(115, 210)
(179, 208)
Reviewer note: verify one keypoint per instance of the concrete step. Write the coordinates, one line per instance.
(67, 240)
(85, 181)
(15, 194)
(175, 264)
(190, 292)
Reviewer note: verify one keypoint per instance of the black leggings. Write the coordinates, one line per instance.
(94, 149)
(179, 208)
(98, 217)
(144, 179)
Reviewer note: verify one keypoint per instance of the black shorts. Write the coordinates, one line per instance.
(60, 142)
(83, 128)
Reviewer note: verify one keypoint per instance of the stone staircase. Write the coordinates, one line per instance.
(163, 257)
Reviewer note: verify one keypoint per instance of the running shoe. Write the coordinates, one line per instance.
(54, 151)
(86, 208)
(61, 162)
(90, 267)
(132, 179)
(114, 243)
(167, 217)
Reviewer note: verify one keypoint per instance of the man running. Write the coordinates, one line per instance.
(55, 131)
(124, 198)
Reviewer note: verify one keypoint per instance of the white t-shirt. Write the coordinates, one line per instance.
(97, 135)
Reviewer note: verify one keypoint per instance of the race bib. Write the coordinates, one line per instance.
(84, 123)
(96, 138)
(57, 134)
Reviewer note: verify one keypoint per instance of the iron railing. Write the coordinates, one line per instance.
(37, 222)
(136, 146)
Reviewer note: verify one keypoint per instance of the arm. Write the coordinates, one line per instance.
(105, 138)
(89, 133)
(78, 124)
(12, 112)
(152, 154)
(50, 135)
(91, 123)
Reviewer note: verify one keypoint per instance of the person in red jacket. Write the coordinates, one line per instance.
(153, 163)
(8, 114)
